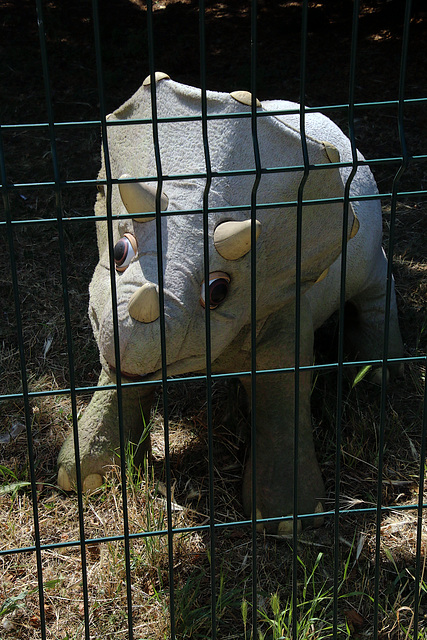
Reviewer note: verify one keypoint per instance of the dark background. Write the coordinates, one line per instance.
(124, 41)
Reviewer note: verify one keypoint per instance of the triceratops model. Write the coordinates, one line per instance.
(184, 162)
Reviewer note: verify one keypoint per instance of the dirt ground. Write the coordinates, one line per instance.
(74, 90)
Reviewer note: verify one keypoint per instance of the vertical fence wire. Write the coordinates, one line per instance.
(419, 577)
(253, 290)
(109, 222)
(341, 320)
(298, 266)
(24, 379)
(163, 345)
(209, 424)
(403, 167)
(67, 318)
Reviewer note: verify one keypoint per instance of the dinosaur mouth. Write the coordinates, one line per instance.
(179, 368)
(133, 377)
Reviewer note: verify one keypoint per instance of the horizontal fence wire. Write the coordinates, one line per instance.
(247, 524)
(213, 528)
(230, 173)
(212, 116)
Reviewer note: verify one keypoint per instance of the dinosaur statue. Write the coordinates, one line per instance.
(136, 195)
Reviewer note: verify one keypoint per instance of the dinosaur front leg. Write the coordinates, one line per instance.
(276, 426)
(99, 437)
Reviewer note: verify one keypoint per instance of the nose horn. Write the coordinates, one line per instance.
(144, 303)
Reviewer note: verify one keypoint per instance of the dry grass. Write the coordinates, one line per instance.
(37, 252)
(103, 517)
(149, 560)
(105, 562)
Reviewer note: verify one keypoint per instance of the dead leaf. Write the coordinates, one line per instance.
(35, 621)
(355, 620)
(49, 612)
(93, 551)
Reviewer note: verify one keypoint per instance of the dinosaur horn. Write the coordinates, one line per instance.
(144, 303)
(139, 197)
(232, 239)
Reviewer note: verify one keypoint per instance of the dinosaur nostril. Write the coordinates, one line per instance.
(144, 303)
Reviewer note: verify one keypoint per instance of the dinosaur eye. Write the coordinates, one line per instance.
(219, 283)
(124, 250)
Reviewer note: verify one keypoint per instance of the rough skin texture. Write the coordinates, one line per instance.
(231, 149)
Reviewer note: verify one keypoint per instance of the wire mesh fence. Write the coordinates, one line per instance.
(164, 547)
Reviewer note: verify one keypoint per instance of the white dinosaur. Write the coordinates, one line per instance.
(232, 161)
